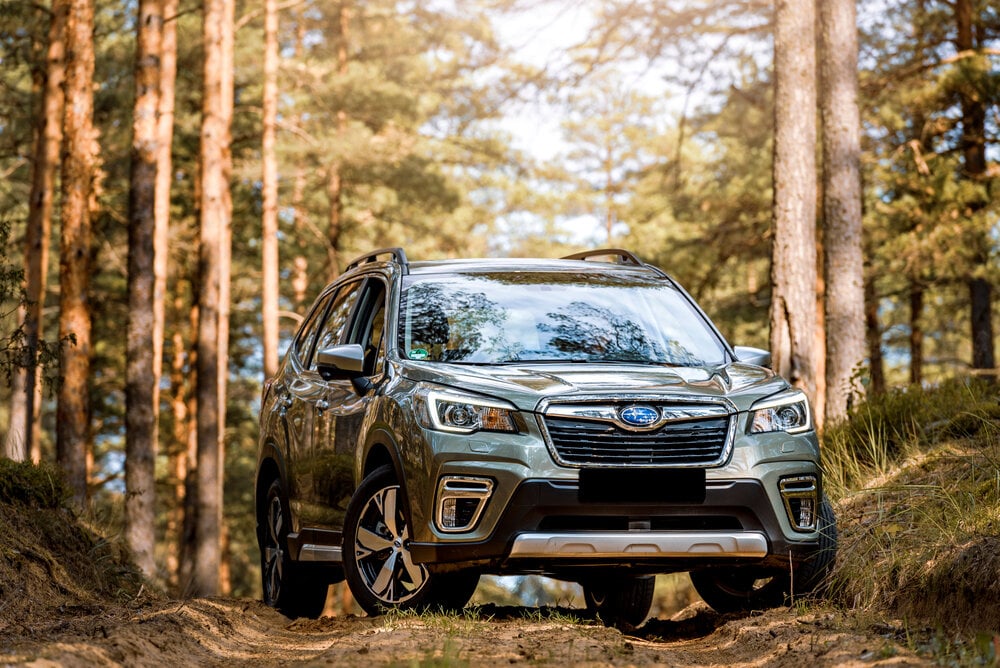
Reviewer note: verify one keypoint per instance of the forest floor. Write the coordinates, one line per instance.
(917, 583)
(71, 597)
(235, 632)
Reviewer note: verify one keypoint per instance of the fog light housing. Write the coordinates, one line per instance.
(801, 497)
(461, 501)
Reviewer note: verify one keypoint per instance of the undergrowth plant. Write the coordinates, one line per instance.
(916, 477)
(888, 428)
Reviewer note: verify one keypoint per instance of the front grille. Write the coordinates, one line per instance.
(700, 442)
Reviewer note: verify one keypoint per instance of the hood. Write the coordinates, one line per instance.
(525, 385)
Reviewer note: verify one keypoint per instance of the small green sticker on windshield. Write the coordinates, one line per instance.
(418, 354)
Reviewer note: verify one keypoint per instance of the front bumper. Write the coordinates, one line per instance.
(642, 544)
(546, 528)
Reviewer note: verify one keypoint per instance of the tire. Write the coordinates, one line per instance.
(286, 584)
(377, 561)
(451, 591)
(746, 588)
(620, 600)
(811, 575)
(741, 588)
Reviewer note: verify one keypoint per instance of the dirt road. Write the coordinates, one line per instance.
(233, 632)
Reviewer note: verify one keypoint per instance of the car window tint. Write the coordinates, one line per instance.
(307, 332)
(369, 327)
(332, 331)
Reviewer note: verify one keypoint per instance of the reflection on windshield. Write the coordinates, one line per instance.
(552, 317)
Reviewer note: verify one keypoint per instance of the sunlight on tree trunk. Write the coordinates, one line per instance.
(161, 208)
(843, 261)
(269, 186)
(793, 262)
(213, 293)
(80, 178)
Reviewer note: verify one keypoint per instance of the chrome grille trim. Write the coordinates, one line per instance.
(643, 448)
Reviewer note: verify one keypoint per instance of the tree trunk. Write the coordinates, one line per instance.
(140, 416)
(25, 427)
(80, 173)
(333, 229)
(916, 333)
(793, 259)
(188, 435)
(843, 259)
(973, 146)
(819, 342)
(161, 207)
(177, 460)
(334, 183)
(269, 226)
(873, 335)
(215, 214)
(300, 265)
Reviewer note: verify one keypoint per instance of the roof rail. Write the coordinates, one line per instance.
(398, 256)
(623, 256)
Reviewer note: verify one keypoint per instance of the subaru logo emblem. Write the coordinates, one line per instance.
(639, 416)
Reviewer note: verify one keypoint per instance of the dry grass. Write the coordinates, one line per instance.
(917, 480)
(51, 564)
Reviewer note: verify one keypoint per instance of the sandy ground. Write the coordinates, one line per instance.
(235, 632)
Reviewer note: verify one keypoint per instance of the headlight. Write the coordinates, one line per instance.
(462, 413)
(788, 412)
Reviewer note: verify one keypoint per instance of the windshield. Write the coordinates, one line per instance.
(505, 317)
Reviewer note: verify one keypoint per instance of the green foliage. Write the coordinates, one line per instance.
(15, 351)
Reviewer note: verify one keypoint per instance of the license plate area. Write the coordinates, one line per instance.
(641, 485)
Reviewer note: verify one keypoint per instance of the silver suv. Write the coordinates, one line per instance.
(579, 418)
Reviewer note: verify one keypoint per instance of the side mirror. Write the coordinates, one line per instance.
(756, 356)
(341, 362)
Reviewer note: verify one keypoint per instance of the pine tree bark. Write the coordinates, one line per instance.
(793, 258)
(177, 460)
(23, 436)
(973, 147)
(300, 265)
(916, 333)
(140, 415)
(80, 174)
(213, 308)
(334, 180)
(269, 224)
(843, 262)
(161, 206)
(873, 336)
(187, 435)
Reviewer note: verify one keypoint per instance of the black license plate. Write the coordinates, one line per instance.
(642, 485)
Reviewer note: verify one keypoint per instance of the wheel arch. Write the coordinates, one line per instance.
(380, 449)
(270, 467)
